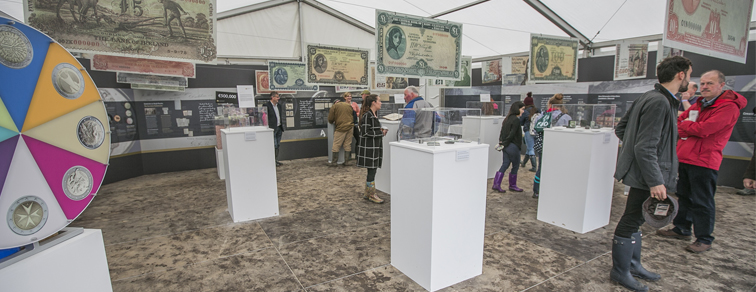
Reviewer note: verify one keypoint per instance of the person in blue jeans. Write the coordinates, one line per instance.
(529, 111)
(510, 139)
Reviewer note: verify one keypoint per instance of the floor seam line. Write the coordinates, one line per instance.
(570, 269)
(347, 276)
(282, 258)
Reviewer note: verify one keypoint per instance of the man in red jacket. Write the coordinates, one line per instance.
(700, 152)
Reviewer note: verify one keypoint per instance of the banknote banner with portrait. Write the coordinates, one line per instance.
(631, 61)
(332, 65)
(156, 29)
(289, 76)
(717, 28)
(262, 84)
(553, 59)
(418, 47)
(465, 81)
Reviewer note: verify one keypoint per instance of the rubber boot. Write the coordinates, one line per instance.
(534, 163)
(622, 254)
(371, 196)
(636, 269)
(497, 182)
(513, 183)
(334, 159)
(347, 158)
(524, 161)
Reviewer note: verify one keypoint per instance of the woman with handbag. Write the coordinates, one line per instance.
(370, 149)
(510, 139)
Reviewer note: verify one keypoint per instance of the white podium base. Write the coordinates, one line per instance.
(383, 175)
(251, 187)
(577, 178)
(76, 265)
(438, 207)
(219, 163)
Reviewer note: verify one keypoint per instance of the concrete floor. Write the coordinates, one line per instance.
(171, 232)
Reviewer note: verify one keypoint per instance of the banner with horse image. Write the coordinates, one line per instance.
(155, 29)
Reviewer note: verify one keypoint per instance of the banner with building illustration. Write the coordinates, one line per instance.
(714, 28)
(332, 65)
(630, 61)
(552, 59)
(156, 29)
(415, 46)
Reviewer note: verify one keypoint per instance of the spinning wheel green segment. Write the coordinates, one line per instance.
(5, 119)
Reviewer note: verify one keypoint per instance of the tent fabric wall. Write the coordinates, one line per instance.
(320, 27)
(267, 33)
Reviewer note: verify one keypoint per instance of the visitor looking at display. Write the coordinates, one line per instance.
(275, 121)
(370, 151)
(340, 116)
(529, 112)
(647, 162)
(510, 139)
(704, 130)
(416, 124)
(555, 116)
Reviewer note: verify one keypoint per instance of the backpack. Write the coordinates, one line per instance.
(538, 136)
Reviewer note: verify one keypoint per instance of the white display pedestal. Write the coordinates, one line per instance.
(577, 178)
(219, 163)
(331, 129)
(77, 264)
(251, 187)
(490, 127)
(383, 175)
(438, 209)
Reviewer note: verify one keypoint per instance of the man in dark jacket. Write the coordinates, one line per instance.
(275, 121)
(648, 164)
(704, 130)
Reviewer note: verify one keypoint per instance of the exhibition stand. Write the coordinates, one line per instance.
(249, 158)
(77, 264)
(219, 162)
(438, 207)
(383, 175)
(490, 127)
(577, 180)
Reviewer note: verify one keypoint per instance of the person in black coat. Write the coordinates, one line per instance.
(370, 149)
(510, 139)
(275, 121)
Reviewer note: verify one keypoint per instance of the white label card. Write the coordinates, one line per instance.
(485, 97)
(463, 155)
(607, 138)
(246, 95)
(399, 98)
(250, 136)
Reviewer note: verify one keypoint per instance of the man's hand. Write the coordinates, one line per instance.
(659, 192)
(749, 183)
(685, 96)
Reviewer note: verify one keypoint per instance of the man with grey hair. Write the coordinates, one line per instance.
(704, 130)
(416, 124)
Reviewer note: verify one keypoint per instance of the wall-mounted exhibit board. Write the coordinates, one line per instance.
(54, 140)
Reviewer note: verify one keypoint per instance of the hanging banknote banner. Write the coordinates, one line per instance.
(384, 82)
(465, 81)
(332, 65)
(162, 29)
(262, 83)
(709, 27)
(491, 72)
(631, 61)
(417, 47)
(552, 59)
(288, 76)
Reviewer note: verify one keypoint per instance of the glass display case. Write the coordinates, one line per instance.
(230, 116)
(590, 116)
(489, 108)
(390, 111)
(439, 125)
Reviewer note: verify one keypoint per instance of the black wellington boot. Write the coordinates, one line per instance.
(636, 269)
(622, 253)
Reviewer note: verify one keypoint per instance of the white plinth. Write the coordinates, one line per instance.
(438, 208)
(77, 264)
(251, 188)
(219, 163)
(383, 175)
(577, 178)
(490, 127)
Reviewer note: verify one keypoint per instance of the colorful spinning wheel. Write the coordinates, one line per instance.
(54, 139)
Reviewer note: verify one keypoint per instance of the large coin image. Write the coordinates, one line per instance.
(27, 215)
(77, 183)
(68, 81)
(90, 132)
(15, 49)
